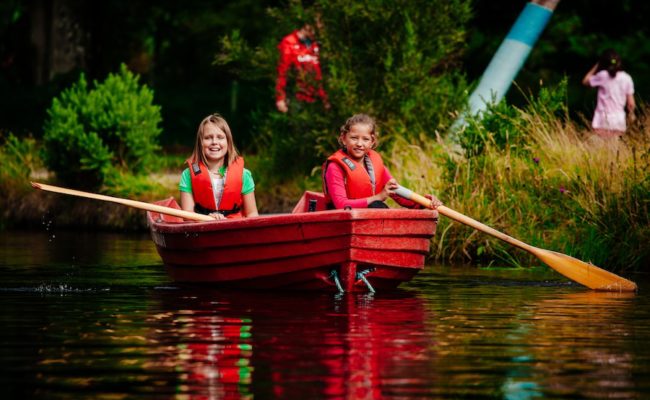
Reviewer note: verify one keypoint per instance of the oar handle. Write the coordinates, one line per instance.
(463, 219)
(131, 203)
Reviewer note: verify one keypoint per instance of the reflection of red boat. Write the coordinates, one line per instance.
(356, 249)
(232, 344)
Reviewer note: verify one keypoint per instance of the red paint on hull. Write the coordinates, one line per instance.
(300, 250)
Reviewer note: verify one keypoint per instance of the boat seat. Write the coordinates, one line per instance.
(303, 204)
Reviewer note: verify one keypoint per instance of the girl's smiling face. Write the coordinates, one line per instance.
(358, 141)
(215, 144)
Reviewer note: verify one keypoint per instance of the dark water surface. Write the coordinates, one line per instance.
(94, 316)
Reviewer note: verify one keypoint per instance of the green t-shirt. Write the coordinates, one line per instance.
(248, 185)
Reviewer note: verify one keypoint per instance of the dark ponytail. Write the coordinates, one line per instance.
(611, 62)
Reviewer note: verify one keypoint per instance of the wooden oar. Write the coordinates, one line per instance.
(584, 273)
(131, 203)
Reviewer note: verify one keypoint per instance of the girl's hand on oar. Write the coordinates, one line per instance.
(217, 215)
(435, 202)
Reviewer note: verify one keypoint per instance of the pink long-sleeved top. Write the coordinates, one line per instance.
(335, 178)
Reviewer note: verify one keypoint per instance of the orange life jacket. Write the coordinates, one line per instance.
(231, 200)
(358, 182)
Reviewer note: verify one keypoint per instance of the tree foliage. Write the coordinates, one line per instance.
(396, 60)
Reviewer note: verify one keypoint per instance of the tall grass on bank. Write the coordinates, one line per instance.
(18, 159)
(21, 205)
(557, 187)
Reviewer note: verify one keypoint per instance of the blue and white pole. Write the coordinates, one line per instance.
(510, 57)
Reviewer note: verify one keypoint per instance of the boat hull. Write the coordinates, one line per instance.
(350, 250)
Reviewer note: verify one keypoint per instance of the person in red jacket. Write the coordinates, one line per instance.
(299, 51)
(355, 176)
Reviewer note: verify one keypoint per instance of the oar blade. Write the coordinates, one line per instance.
(584, 273)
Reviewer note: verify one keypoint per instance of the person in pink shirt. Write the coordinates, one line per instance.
(615, 95)
(355, 175)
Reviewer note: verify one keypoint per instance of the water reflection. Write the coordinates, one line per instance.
(110, 325)
(231, 345)
(510, 336)
(578, 344)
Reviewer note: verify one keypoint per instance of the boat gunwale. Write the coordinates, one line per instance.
(267, 220)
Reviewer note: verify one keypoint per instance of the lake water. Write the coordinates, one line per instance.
(94, 316)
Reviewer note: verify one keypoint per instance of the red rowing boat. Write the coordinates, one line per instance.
(344, 250)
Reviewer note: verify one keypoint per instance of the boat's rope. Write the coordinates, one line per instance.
(335, 276)
(362, 275)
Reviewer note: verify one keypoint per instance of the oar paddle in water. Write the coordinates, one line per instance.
(584, 273)
(131, 203)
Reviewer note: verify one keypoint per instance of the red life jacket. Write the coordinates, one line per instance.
(231, 200)
(357, 180)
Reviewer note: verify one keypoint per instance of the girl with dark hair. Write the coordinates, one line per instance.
(355, 176)
(615, 95)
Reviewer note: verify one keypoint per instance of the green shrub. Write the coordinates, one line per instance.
(497, 126)
(504, 126)
(90, 131)
(143, 187)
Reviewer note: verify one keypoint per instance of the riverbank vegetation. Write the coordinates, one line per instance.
(542, 178)
(530, 172)
(533, 170)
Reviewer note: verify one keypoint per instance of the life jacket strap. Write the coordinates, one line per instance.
(205, 211)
